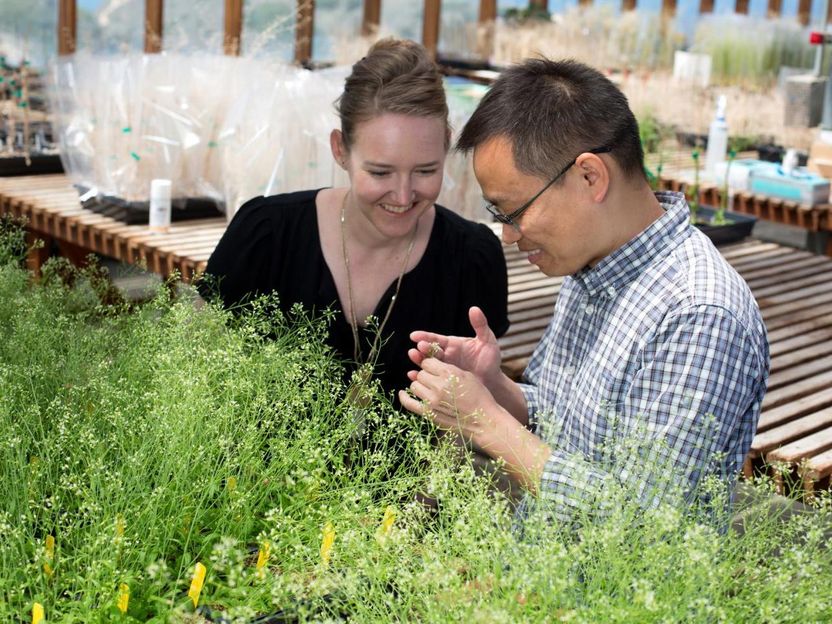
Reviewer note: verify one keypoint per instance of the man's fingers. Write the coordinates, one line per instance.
(423, 336)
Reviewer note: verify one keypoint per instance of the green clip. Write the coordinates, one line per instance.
(212, 143)
(127, 129)
(135, 156)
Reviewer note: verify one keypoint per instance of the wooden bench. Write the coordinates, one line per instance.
(812, 219)
(792, 287)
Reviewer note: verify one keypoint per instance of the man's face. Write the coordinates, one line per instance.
(559, 231)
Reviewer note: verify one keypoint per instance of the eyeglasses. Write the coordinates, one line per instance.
(511, 218)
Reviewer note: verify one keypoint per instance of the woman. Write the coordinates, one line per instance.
(380, 248)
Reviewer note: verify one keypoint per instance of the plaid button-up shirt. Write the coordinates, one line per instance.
(651, 372)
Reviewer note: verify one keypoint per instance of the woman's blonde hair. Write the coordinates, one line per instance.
(397, 76)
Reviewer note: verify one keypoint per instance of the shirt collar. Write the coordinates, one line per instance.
(628, 261)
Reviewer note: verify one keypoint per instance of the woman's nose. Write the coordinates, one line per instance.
(404, 192)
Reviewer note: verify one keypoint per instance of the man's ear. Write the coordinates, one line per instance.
(595, 174)
(339, 149)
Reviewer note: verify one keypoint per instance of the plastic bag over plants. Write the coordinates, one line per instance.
(222, 129)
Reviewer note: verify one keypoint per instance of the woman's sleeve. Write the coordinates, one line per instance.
(487, 280)
(240, 266)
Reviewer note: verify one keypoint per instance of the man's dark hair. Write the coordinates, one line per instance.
(552, 111)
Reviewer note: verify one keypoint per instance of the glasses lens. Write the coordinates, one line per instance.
(491, 208)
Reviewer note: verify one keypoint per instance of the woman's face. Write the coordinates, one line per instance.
(395, 164)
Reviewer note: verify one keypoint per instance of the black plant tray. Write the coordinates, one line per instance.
(740, 227)
(138, 212)
(39, 164)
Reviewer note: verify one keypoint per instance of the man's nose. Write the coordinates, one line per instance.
(510, 234)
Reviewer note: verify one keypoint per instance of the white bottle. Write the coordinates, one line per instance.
(790, 161)
(717, 138)
(159, 205)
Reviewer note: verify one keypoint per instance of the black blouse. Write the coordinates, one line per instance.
(272, 245)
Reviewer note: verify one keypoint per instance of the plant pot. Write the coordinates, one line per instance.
(771, 152)
(692, 139)
(740, 227)
(39, 164)
(138, 212)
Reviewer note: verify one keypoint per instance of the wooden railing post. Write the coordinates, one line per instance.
(804, 11)
(488, 11)
(628, 5)
(372, 17)
(67, 26)
(233, 28)
(539, 4)
(304, 30)
(741, 7)
(775, 7)
(485, 28)
(153, 11)
(430, 26)
(668, 8)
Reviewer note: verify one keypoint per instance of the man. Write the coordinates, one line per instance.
(651, 373)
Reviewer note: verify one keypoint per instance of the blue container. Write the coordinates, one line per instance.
(801, 186)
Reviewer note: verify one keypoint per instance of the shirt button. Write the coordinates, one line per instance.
(589, 309)
(611, 291)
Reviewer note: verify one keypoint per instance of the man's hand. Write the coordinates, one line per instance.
(479, 355)
(452, 398)
(455, 400)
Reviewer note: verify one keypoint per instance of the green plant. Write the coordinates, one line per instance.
(724, 194)
(693, 192)
(137, 443)
(533, 13)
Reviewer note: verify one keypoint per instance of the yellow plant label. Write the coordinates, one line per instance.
(386, 524)
(37, 613)
(123, 597)
(327, 540)
(50, 556)
(263, 558)
(196, 583)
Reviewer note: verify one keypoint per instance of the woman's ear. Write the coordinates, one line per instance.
(596, 175)
(339, 150)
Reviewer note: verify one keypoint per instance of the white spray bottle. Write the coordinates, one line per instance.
(717, 138)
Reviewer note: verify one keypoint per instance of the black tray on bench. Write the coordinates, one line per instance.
(138, 212)
(740, 227)
(39, 164)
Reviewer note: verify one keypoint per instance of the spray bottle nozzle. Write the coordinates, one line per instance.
(721, 105)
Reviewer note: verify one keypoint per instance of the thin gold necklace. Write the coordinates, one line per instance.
(354, 325)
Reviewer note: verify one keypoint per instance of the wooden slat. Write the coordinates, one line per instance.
(153, 20)
(67, 26)
(741, 7)
(775, 8)
(706, 6)
(232, 27)
(807, 438)
(628, 5)
(669, 8)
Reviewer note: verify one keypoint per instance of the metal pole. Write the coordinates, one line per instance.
(826, 120)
